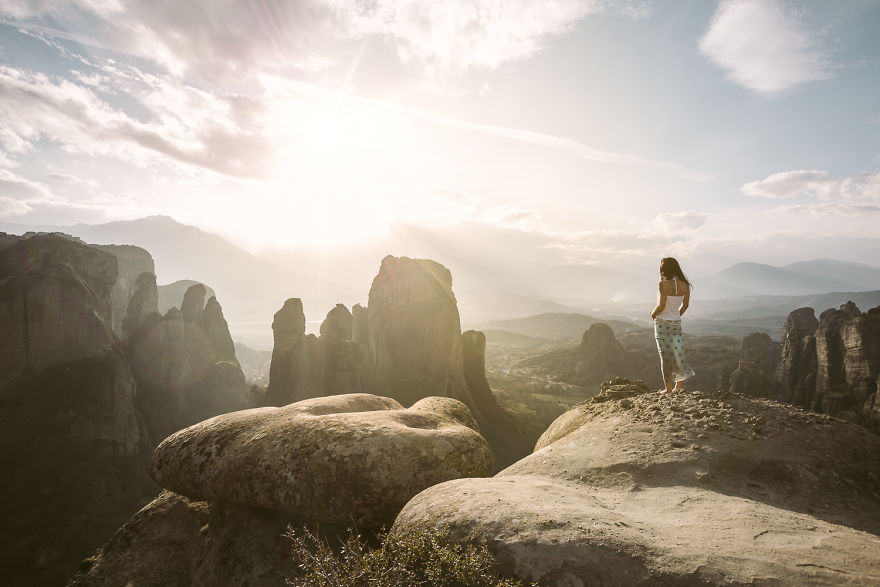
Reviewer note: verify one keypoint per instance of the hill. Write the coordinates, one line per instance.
(558, 325)
(802, 278)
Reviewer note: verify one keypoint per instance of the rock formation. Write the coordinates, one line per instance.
(415, 331)
(598, 357)
(497, 425)
(184, 362)
(290, 374)
(336, 460)
(834, 369)
(56, 303)
(754, 376)
(796, 372)
(339, 358)
(72, 440)
(407, 344)
(132, 262)
(601, 356)
(636, 488)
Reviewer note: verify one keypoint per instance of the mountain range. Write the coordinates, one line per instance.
(490, 281)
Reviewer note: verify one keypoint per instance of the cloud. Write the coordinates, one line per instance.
(212, 39)
(566, 145)
(19, 194)
(860, 190)
(679, 221)
(186, 125)
(764, 46)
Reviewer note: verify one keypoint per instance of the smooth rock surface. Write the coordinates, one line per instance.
(637, 488)
(336, 459)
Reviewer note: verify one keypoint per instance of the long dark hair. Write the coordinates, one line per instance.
(670, 268)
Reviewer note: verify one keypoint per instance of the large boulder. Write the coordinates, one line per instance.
(348, 458)
(174, 541)
(635, 488)
(415, 331)
(162, 544)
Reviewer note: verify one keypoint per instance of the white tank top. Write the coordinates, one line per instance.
(672, 311)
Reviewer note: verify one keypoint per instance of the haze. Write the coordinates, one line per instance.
(503, 139)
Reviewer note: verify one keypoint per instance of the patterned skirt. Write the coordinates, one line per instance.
(671, 348)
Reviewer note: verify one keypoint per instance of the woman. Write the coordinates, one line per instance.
(673, 298)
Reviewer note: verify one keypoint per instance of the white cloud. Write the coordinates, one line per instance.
(764, 46)
(18, 194)
(861, 190)
(188, 126)
(679, 221)
(231, 39)
(566, 145)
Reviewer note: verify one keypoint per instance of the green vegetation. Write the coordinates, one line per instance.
(419, 557)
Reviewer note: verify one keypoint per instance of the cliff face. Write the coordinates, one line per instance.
(184, 362)
(507, 440)
(132, 262)
(55, 303)
(796, 372)
(72, 438)
(407, 344)
(290, 374)
(415, 331)
(832, 366)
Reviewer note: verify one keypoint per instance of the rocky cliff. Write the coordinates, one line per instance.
(831, 365)
(72, 438)
(415, 331)
(406, 344)
(132, 262)
(290, 374)
(184, 362)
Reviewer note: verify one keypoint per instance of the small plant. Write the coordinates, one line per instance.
(418, 557)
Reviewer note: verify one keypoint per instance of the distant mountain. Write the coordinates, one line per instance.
(808, 277)
(857, 276)
(772, 306)
(248, 288)
(558, 326)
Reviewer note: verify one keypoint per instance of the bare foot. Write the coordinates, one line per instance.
(662, 391)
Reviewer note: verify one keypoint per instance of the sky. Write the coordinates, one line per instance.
(578, 131)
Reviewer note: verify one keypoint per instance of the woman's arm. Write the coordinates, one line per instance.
(685, 302)
(661, 301)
